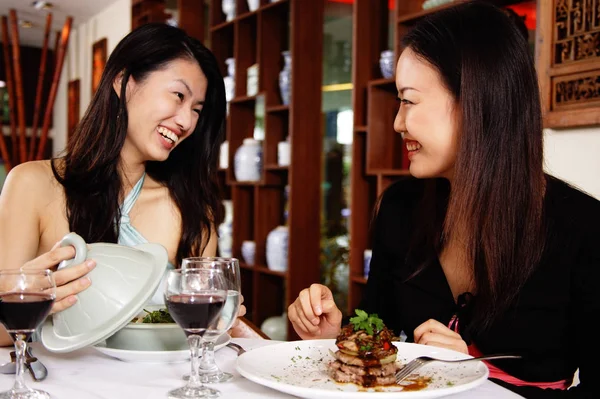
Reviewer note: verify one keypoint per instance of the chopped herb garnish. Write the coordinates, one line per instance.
(363, 321)
(157, 316)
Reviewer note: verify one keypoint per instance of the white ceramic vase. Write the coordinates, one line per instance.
(248, 251)
(228, 7)
(283, 153)
(224, 155)
(285, 77)
(225, 230)
(277, 249)
(276, 327)
(248, 161)
(387, 64)
(253, 5)
(229, 80)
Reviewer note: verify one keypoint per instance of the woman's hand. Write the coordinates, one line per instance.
(69, 281)
(314, 314)
(434, 333)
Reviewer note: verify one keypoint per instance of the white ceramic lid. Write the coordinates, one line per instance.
(123, 281)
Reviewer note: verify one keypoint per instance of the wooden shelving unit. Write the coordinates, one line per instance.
(378, 154)
(260, 37)
(191, 15)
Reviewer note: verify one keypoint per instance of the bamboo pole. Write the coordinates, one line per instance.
(61, 53)
(3, 150)
(39, 90)
(9, 88)
(16, 50)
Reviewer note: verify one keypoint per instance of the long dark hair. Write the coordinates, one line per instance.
(89, 169)
(496, 197)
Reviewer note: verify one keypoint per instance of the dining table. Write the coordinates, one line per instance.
(88, 374)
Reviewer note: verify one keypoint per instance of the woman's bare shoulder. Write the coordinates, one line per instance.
(31, 178)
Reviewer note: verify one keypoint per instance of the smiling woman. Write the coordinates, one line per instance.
(144, 154)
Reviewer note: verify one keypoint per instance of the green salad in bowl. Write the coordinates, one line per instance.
(153, 329)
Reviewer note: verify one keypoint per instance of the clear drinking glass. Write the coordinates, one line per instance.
(195, 299)
(230, 267)
(26, 297)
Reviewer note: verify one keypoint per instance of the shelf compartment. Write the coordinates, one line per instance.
(248, 291)
(222, 45)
(277, 109)
(277, 168)
(384, 145)
(247, 266)
(271, 6)
(277, 126)
(250, 100)
(273, 39)
(270, 203)
(266, 270)
(245, 51)
(269, 296)
(243, 217)
(360, 129)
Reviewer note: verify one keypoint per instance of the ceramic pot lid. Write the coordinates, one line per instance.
(123, 281)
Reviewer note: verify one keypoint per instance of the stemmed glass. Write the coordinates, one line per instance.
(26, 297)
(230, 267)
(195, 299)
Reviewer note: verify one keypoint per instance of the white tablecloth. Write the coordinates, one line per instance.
(87, 374)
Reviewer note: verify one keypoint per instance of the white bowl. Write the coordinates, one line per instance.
(140, 336)
(149, 337)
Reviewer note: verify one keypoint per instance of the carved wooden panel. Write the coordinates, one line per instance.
(568, 61)
(577, 31)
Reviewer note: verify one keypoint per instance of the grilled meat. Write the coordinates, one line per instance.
(363, 359)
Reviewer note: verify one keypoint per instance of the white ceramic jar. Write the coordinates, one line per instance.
(248, 251)
(277, 249)
(229, 80)
(248, 161)
(253, 5)
(387, 64)
(224, 155)
(283, 153)
(225, 231)
(228, 8)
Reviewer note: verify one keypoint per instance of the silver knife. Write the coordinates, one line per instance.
(35, 367)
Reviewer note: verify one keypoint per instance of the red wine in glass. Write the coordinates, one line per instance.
(26, 298)
(22, 313)
(195, 312)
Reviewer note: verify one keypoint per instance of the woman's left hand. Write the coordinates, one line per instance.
(434, 333)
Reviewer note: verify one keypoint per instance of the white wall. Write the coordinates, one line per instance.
(574, 156)
(113, 23)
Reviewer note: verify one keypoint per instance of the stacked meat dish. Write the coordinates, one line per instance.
(363, 359)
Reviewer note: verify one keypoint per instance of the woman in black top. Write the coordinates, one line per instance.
(483, 253)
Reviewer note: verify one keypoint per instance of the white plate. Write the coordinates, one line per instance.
(300, 368)
(155, 356)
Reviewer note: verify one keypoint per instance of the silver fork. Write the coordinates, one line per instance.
(421, 361)
(236, 347)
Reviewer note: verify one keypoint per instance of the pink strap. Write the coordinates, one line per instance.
(497, 373)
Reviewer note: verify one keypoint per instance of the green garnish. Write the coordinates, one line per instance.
(363, 321)
(366, 348)
(158, 316)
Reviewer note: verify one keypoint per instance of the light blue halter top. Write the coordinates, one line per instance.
(129, 236)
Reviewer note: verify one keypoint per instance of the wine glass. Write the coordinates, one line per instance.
(195, 299)
(26, 297)
(230, 267)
